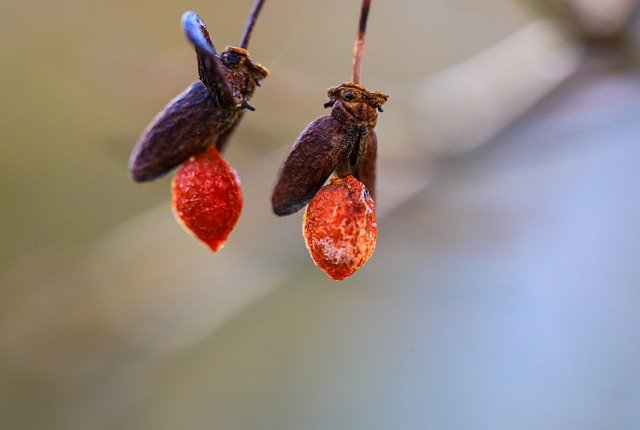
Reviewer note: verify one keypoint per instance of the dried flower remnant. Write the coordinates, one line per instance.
(207, 200)
(200, 119)
(340, 227)
(343, 142)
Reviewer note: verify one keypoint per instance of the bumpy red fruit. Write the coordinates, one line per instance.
(207, 199)
(340, 227)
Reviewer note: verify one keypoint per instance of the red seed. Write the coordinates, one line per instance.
(339, 227)
(207, 199)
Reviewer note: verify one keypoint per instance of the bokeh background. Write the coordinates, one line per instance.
(505, 289)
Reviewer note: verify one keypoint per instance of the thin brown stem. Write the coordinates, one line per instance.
(359, 46)
(253, 16)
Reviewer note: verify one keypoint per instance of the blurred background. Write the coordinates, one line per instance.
(505, 289)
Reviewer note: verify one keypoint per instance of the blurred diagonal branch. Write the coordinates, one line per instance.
(466, 105)
(596, 21)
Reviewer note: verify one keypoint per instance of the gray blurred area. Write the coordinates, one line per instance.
(505, 289)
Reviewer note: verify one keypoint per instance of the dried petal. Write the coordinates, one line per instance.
(207, 199)
(185, 127)
(209, 68)
(340, 227)
(367, 171)
(310, 162)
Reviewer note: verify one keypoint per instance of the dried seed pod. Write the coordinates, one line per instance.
(206, 113)
(343, 141)
(207, 199)
(340, 227)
